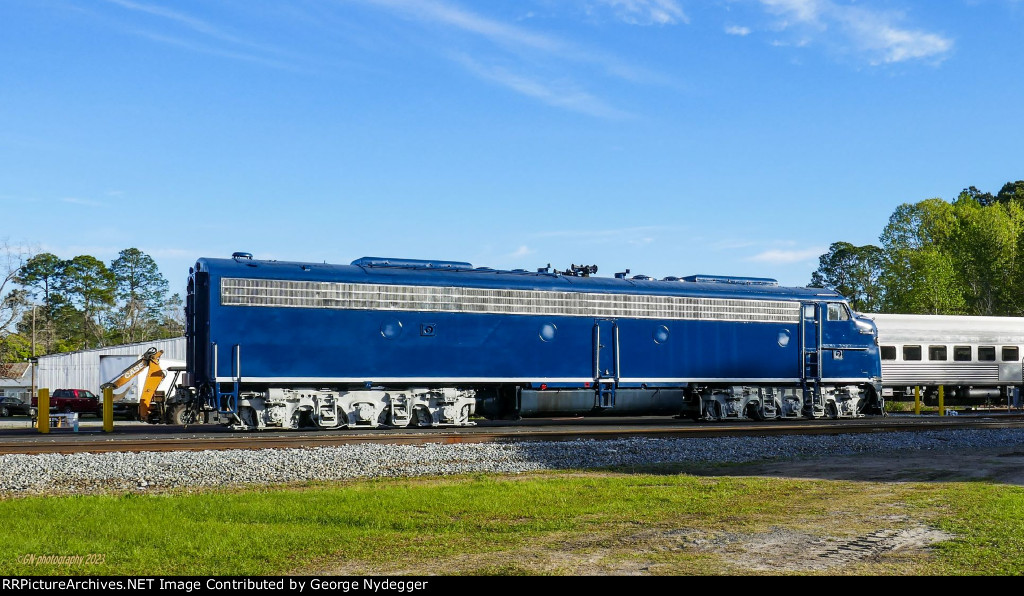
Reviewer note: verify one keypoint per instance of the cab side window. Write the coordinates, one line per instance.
(837, 312)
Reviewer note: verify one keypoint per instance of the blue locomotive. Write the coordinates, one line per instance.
(399, 342)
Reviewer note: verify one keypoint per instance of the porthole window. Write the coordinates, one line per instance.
(391, 328)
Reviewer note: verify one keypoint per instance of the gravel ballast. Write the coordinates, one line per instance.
(120, 472)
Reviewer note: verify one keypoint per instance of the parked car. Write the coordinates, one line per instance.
(13, 406)
(82, 401)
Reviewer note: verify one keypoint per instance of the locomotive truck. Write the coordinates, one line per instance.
(386, 342)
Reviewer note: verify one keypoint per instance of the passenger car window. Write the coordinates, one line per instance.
(962, 353)
(986, 353)
(911, 352)
(888, 352)
(936, 352)
(1011, 354)
(837, 312)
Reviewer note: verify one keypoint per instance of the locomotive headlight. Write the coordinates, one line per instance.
(864, 327)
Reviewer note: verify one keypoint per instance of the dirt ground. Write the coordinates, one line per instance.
(888, 540)
(1002, 465)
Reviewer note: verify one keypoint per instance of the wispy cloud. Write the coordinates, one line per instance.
(522, 251)
(646, 12)
(531, 53)
(877, 34)
(213, 40)
(84, 202)
(874, 32)
(195, 24)
(562, 95)
(736, 30)
(777, 256)
(211, 50)
(453, 16)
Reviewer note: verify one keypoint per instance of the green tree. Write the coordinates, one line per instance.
(922, 281)
(986, 255)
(920, 275)
(140, 291)
(982, 198)
(41, 275)
(1011, 192)
(854, 272)
(89, 288)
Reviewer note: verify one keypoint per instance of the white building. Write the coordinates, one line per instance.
(81, 370)
(16, 380)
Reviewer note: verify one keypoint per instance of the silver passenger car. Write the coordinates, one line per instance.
(976, 359)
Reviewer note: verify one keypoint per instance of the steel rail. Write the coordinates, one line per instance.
(558, 431)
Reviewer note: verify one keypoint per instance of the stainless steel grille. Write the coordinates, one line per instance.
(356, 296)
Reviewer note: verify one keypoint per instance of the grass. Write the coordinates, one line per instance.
(544, 523)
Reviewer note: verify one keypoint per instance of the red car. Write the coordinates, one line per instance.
(82, 401)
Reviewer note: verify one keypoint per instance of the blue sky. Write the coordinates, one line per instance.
(669, 137)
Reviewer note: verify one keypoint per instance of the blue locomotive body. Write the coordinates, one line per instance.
(395, 342)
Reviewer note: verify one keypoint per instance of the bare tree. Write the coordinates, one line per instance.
(13, 298)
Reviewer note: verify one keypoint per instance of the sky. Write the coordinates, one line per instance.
(667, 137)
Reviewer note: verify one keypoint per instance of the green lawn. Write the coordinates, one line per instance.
(548, 523)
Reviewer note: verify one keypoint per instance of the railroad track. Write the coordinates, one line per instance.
(177, 439)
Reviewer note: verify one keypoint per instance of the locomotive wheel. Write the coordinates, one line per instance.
(832, 410)
(248, 416)
(420, 418)
(778, 410)
(754, 412)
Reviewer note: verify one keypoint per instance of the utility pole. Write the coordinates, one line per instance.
(33, 360)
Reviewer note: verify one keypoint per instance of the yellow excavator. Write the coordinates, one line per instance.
(153, 406)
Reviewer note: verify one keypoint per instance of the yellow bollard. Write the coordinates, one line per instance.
(942, 401)
(108, 410)
(43, 411)
(917, 400)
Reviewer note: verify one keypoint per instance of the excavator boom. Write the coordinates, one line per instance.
(150, 363)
